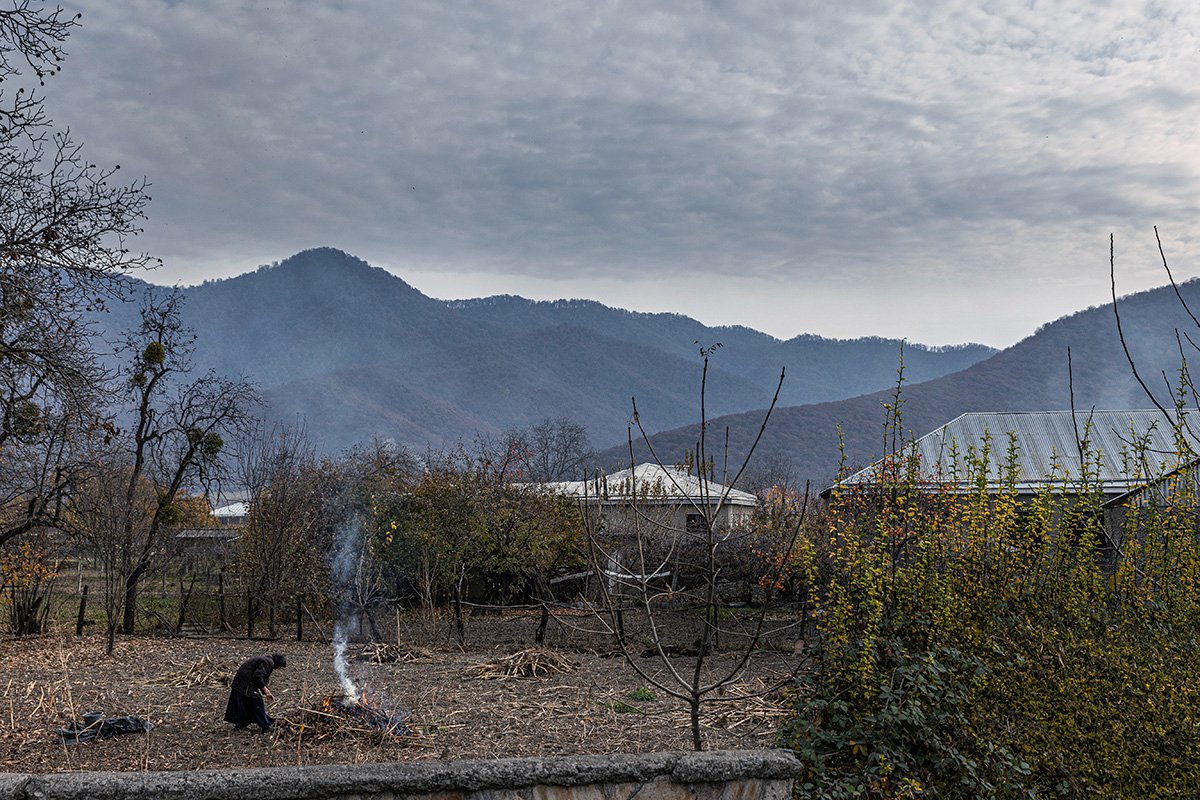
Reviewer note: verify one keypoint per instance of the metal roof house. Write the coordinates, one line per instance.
(652, 482)
(648, 515)
(232, 513)
(653, 487)
(1123, 450)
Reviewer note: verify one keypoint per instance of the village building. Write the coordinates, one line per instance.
(652, 521)
(211, 547)
(670, 498)
(233, 513)
(203, 549)
(1031, 452)
(1113, 455)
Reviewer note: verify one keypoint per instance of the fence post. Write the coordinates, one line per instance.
(299, 618)
(250, 610)
(82, 610)
(221, 598)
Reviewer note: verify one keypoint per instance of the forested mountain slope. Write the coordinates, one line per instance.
(357, 352)
(1029, 376)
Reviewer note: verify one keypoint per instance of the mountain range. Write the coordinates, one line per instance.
(356, 352)
(1077, 361)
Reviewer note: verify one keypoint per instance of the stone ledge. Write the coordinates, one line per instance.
(409, 778)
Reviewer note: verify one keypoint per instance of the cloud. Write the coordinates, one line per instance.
(800, 145)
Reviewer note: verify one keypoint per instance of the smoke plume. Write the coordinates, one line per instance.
(346, 564)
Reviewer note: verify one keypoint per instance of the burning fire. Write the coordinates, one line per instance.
(346, 565)
(360, 709)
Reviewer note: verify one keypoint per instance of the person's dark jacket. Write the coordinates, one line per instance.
(253, 675)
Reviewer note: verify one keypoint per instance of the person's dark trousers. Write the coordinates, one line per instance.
(258, 714)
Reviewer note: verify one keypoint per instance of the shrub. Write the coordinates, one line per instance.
(976, 643)
(904, 731)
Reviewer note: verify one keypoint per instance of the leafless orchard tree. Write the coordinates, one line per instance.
(285, 541)
(657, 546)
(110, 525)
(558, 450)
(178, 435)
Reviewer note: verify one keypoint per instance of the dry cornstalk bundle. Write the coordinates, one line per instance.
(534, 662)
(755, 715)
(205, 672)
(381, 653)
(316, 725)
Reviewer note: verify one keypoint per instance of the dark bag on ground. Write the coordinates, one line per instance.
(97, 726)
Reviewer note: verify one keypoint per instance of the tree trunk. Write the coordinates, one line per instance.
(251, 613)
(376, 636)
(185, 598)
(694, 713)
(539, 638)
(426, 580)
(458, 619)
(131, 599)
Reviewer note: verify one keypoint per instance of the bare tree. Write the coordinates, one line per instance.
(284, 545)
(110, 526)
(704, 542)
(40, 468)
(558, 450)
(65, 223)
(178, 431)
(65, 227)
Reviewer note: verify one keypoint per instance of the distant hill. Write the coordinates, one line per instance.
(357, 352)
(1029, 376)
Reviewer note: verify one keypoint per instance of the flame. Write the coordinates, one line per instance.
(360, 708)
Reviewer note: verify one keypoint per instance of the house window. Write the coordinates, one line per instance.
(695, 523)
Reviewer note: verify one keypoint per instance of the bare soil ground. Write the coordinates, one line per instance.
(455, 712)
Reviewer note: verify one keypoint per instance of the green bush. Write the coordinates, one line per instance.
(908, 730)
(980, 644)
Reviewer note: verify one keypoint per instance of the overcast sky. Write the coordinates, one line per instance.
(944, 171)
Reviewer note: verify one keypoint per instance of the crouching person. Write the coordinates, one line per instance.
(250, 691)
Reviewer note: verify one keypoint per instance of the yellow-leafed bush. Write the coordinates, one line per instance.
(977, 643)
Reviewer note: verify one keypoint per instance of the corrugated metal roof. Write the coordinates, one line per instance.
(224, 534)
(1047, 451)
(239, 509)
(651, 484)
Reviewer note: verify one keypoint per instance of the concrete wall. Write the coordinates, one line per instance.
(662, 520)
(725, 775)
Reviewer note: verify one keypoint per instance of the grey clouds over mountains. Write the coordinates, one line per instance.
(943, 171)
(356, 352)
